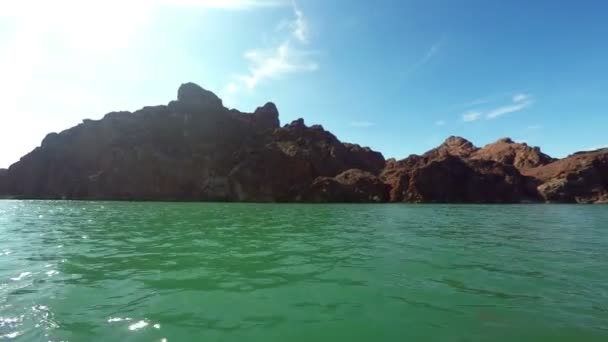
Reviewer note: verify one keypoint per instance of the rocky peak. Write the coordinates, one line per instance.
(508, 152)
(296, 124)
(267, 115)
(456, 141)
(268, 109)
(194, 97)
(505, 141)
(456, 146)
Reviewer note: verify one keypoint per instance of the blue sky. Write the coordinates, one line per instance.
(399, 76)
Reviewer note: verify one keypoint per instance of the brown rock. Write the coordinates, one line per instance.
(456, 146)
(353, 185)
(326, 155)
(451, 179)
(508, 152)
(192, 149)
(579, 178)
(267, 116)
(193, 97)
(196, 149)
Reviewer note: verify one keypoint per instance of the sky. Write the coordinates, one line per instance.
(398, 76)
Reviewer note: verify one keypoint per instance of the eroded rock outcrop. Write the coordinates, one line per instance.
(194, 148)
(508, 152)
(579, 178)
(447, 178)
(353, 185)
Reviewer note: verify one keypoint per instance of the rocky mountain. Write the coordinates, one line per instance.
(192, 149)
(451, 174)
(196, 149)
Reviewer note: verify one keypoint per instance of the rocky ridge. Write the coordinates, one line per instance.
(196, 149)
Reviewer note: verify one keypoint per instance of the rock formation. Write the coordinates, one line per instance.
(192, 149)
(353, 185)
(508, 152)
(196, 149)
(449, 174)
(579, 178)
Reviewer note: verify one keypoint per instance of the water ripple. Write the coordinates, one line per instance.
(101, 271)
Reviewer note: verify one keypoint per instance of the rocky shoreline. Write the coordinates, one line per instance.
(195, 149)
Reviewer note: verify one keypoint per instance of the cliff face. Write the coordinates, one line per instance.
(192, 149)
(450, 174)
(501, 172)
(581, 178)
(196, 149)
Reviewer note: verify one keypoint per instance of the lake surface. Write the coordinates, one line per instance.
(111, 271)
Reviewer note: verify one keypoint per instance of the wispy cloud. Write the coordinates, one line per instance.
(433, 50)
(471, 116)
(520, 97)
(439, 123)
(500, 111)
(428, 56)
(360, 124)
(273, 64)
(518, 102)
(300, 25)
(288, 57)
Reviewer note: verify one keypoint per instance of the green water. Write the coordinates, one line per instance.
(106, 271)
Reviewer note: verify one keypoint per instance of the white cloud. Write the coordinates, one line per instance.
(273, 64)
(439, 123)
(300, 26)
(518, 102)
(520, 97)
(500, 111)
(471, 116)
(361, 124)
(279, 61)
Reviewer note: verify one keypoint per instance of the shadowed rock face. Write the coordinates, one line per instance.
(350, 186)
(452, 179)
(192, 149)
(196, 149)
